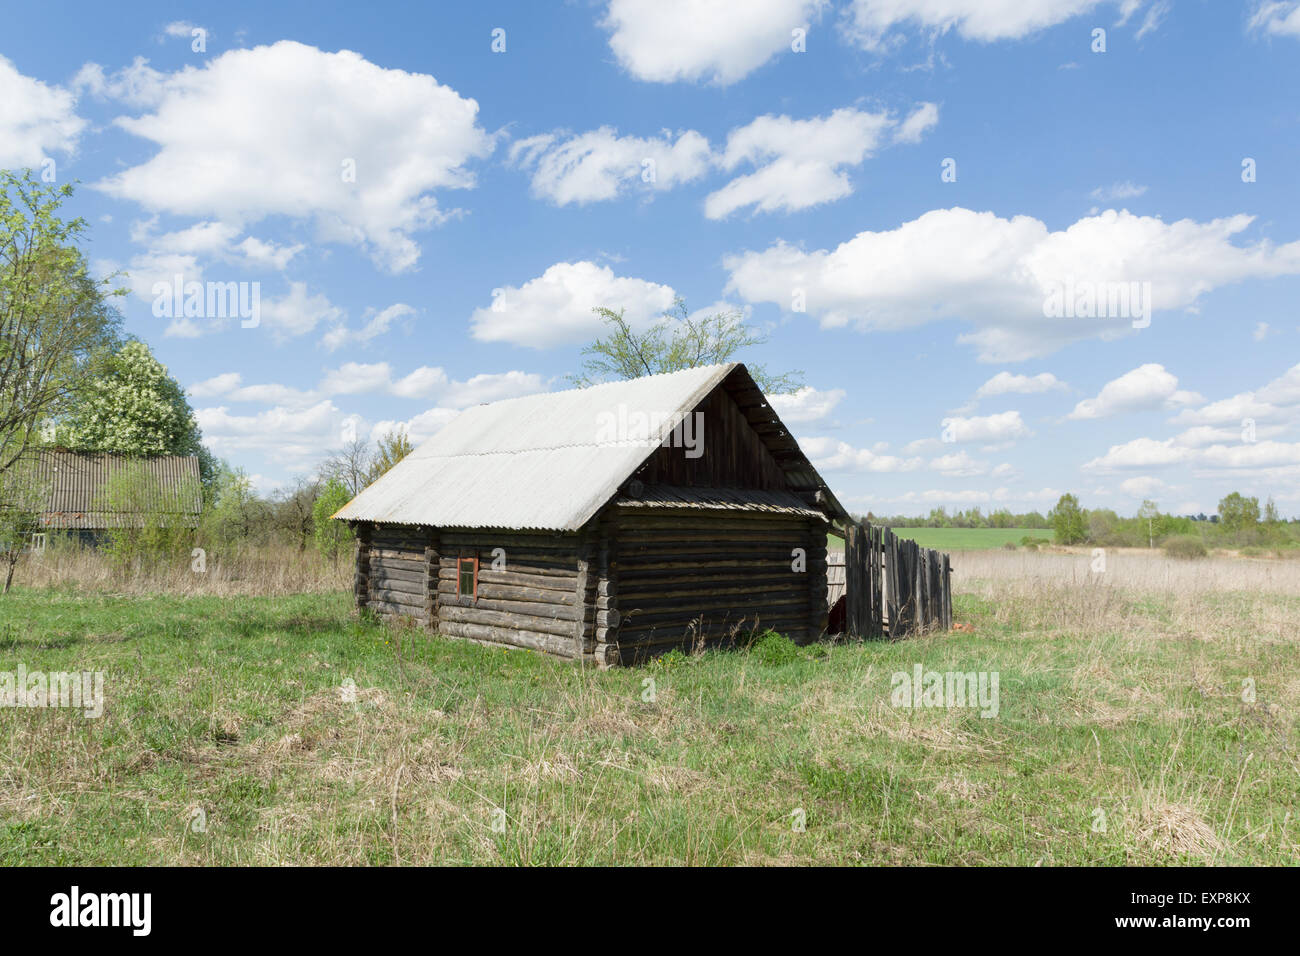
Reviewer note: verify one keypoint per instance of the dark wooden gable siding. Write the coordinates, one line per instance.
(734, 456)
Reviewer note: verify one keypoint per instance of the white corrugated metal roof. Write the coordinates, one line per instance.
(541, 462)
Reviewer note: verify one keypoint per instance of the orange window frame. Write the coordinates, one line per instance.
(461, 562)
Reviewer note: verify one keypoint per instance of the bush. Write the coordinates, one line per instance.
(1185, 546)
(773, 648)
(332, 537)
(1009, 546)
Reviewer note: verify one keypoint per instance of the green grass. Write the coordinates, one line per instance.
(970, 539)
(235, 713)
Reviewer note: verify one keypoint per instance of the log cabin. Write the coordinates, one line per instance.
(606, 524)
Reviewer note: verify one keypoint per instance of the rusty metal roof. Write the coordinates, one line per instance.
(544, 461)
(75, 487)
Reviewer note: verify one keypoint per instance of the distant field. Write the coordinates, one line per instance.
(963, 539)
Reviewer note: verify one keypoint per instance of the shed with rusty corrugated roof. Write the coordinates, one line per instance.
(79, 496)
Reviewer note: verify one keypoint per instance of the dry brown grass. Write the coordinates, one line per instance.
(1137, 569)
(266, 570)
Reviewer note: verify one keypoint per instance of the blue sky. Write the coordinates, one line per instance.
(620, 153)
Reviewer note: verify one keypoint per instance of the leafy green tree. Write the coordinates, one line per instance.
(1067, 520)
(132, 406)
(1237, 513)
(332, 537)
(235, 512)
(1101, 525)
(677, 341)
(54, 317)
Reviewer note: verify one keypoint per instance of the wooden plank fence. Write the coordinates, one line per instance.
(892, 585)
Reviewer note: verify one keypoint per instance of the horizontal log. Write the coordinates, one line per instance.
(398, 597)
(503, 619)
(658, 567)
(402, 561)
(561, 646)
(720, 549)
(545, 582)
(551, 612)
(530, 563)
(605, 655)
(498, 592)
(628, 540)
(396, 584)
(635, 590)
(400, 574)
(389, 607)
(399, 544)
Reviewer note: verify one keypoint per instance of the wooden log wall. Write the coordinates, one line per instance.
(361, 579)
(397, 571)
(532, 593)
(692, 574)
(606, 600)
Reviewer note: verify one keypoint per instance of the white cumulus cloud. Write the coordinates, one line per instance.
(1000, 275)
(801, 163)
(1145, 388)
(600, 164)
(722, 41)
(244, 137)
(556, 307)
(35, 119)
(806, 405)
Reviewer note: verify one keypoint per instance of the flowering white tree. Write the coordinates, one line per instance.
(132, 406)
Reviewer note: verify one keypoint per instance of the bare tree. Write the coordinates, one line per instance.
(293, 510)
(351, 465)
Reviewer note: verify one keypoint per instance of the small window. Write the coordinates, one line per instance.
(38, 543)
(467, 578)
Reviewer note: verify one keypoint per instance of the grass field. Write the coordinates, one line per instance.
(960, 539)
(970, 539)
(282, 730)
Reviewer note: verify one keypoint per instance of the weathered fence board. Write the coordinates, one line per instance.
(891, 585)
